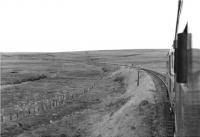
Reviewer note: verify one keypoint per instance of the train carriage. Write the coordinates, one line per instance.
(184, 83)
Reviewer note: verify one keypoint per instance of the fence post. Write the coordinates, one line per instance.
(2, 119)
(138, 79)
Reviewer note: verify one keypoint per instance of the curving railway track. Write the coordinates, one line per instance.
(168, 120)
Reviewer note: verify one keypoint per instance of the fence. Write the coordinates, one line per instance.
(22, 110)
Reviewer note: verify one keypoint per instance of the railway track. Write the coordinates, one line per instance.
(160, 83)
(159, 76)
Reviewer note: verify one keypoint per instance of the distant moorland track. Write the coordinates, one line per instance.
(160, 84)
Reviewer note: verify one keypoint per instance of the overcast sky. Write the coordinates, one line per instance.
(74, 25)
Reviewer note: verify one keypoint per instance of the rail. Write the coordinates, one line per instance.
(161, 77)
(170, 123)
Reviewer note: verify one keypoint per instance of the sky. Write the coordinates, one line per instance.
(77, 25)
